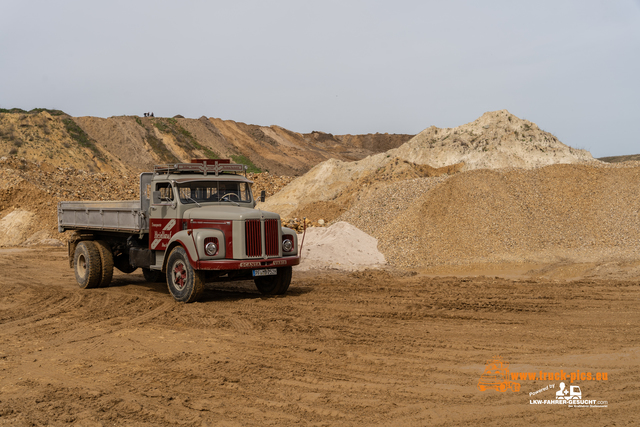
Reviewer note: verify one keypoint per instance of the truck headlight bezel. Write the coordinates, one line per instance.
(287, 245)
(211, 246)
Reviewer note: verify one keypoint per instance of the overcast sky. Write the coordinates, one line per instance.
(572, 67)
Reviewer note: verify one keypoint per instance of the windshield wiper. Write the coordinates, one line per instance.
(194, 201)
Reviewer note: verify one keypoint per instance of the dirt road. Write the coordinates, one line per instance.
(367, 348)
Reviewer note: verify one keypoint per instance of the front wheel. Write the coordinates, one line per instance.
(185, 283)
(274, 285)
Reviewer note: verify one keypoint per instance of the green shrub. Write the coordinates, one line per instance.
(50, 111)
(245, 161)
(80, 136)
(162, 127)
(12, 110)
(184, 138)
(34, 111)
(160, 149)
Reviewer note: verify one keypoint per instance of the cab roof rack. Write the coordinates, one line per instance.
(203, 166)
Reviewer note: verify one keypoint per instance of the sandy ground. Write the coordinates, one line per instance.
(379, 347)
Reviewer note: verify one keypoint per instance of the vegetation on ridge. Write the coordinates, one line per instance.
(80, 136)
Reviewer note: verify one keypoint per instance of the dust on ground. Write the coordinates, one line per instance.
(365, 348)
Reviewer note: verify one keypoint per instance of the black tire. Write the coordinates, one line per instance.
(121, 262)
(274, 285)
(184, 283)
(87, 264)
(107, 263)
(153, 276)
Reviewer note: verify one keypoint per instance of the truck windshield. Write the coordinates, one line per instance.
(214, 191)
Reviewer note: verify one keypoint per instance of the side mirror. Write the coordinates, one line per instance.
(155, 196)
(263, 195)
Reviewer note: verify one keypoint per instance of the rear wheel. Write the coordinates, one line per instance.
(184, 283)
(152, 276)
(274, 285)
(87, 264)
(107, 263)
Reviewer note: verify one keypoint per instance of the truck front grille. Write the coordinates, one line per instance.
(254, 238)
(271, 237)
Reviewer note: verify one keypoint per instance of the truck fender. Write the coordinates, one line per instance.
(200, 234)
(193, 243)
(293, 233)
(182, 238)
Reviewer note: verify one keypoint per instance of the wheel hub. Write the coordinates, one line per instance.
(82, 265)
(179, 275)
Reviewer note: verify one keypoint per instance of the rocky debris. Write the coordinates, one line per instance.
(270, 183)
(30, 192)
(298, 224)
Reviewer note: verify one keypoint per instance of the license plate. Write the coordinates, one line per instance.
(265, 272)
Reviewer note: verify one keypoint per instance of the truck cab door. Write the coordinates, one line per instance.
(163, 217)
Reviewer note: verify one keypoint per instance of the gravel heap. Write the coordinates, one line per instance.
(496, 140)
(579, 213)
(271, 184)
(30, 192)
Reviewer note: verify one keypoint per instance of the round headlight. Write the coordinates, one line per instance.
(211, 248)
(287, 245)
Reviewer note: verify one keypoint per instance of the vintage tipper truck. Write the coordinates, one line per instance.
(194, 223)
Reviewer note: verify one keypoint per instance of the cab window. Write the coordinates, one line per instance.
(214, 191)
(166, 192)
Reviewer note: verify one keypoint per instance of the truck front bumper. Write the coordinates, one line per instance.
(247, 264)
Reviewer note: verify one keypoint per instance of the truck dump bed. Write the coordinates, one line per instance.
(124, 216)
(129, 216)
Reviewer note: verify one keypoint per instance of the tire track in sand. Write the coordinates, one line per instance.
(79, 334)
(15, 325)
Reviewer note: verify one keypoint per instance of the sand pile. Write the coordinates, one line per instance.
(496, 140)
(325, 193)
(340, 246)
(561, 212)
